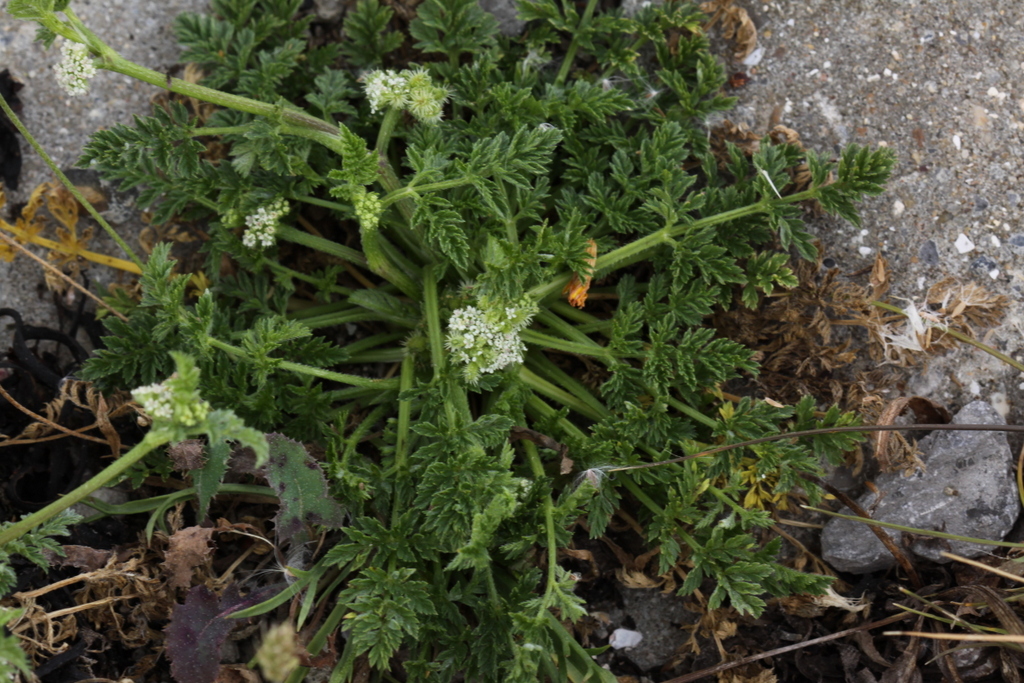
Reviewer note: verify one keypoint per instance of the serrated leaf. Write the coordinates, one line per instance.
(196, 632)
(300, 485)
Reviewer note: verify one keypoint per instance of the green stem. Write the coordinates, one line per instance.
(571, 312)
(539, 408)
(335, 206)
(542, 386)
(68, 184)
(639, 249)
(570, 53)
(548, 318)
(431, 307)
(543, 366)
(149, 442)
(691, 412)
(549, 342)
(404, 412)
(537, 468)
(415, 191)
(209, 131)
(639, 494)
(387, 130)
(290, 234)
(359, 315)
(353, 380)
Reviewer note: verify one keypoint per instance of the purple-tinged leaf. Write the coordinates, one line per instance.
(197, 631)
(300, 485)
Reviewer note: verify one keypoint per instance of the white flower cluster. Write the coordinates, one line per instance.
(75, 68)
(156, 400)
(261, 226)
(411, 90)
(487, 339)
(159, 402)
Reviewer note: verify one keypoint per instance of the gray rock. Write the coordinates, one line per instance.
(968, 489)
(658, 617)
(929, 253)
(507, 14)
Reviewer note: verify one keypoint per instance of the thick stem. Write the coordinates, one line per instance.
(431, 308)
(404, 413)
(149, 442)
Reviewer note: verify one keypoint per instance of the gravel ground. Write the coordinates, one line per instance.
(140, 31)
(939, 81)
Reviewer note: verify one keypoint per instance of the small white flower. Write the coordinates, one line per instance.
(386, 89)
(155, 399)
(487, 340)
(261, 227)
(75, 69)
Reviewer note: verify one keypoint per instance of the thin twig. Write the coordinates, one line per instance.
(59, 273)
(725, 666)
(826, 430)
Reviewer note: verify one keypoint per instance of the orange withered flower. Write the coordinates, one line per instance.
(576, 291)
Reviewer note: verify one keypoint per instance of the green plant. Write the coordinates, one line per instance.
(480, 183)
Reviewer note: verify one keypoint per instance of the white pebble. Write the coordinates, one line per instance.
(623, 638)
(826, 65)
(999, 402)
(755, 57)
(865, 251)
(994, 273)
(956, 141)
(995, 241)
(898, 208)
(887, 71)
(963, 244)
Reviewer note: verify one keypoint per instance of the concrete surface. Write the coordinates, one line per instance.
(939, 81)
(139, 30)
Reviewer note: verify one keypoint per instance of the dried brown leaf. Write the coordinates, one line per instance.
(187, 549)
(736, 26)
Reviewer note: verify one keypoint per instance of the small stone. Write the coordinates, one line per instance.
(1016, 240)
(929, 253)
(980, 203)
(983, 264)
(1012, 198)
(622, 638)
(968, 489)
(898, 208)
(995, 241)
(865, 251)
(963, 244)
(956, 141)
